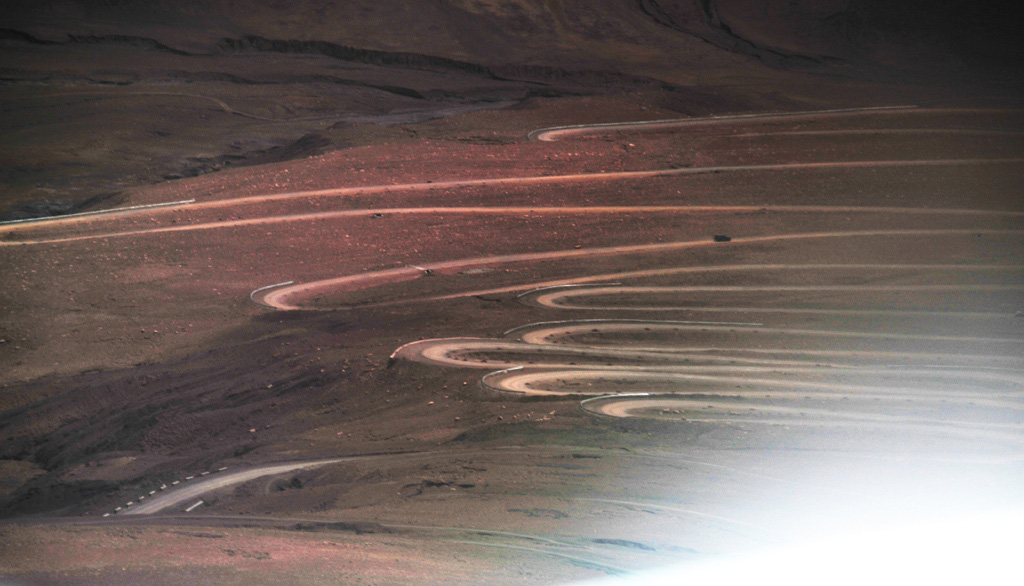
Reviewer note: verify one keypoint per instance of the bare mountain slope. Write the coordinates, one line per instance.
(101, 96)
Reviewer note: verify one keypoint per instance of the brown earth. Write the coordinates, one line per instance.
(134, 356)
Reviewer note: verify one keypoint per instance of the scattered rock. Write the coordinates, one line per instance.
(254, 555)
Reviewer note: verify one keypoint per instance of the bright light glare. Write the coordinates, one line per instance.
(977, 549)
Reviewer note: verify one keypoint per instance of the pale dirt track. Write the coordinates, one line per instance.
(559, 372)
(798, 365)
(494, 210)
(782, 371)
(552, 134)
(280, 298)
(555, 132)
(546, 361)
(728, 413)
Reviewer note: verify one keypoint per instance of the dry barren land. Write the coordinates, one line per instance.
(531, 328)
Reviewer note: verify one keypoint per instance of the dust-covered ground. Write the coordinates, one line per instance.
(339, 319)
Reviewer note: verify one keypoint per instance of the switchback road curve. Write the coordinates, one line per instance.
(714, 373)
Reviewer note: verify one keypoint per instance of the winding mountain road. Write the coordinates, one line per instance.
(747, 373)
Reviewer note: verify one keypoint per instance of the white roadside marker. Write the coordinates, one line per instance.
(189, 510)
